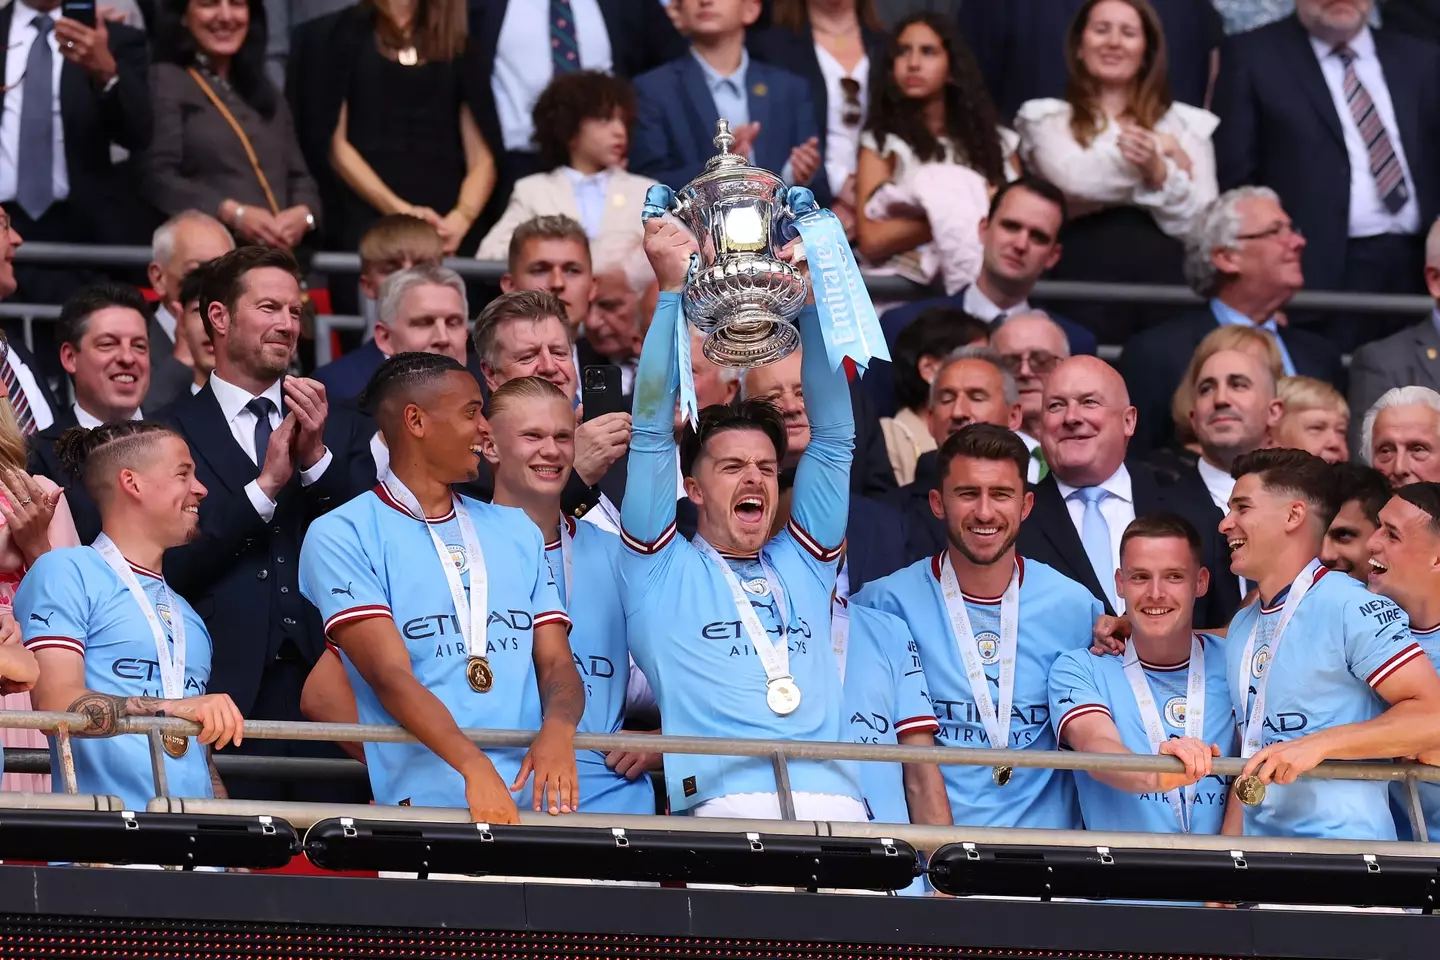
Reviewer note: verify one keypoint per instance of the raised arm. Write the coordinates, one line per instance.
(822, 478)
(648, 510)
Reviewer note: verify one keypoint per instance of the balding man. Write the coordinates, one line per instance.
(1408, 358)
(972, 386)
(179, 245)
(1235, 410)
(1401, 435)
(1031, 345)
(1092, 494)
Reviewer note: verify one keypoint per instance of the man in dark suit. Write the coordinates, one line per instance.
(1021, 240)
(1020, 45)
(422, 310)
(1293, 98)
(104, 347)
(768, 108)
(1408, 358)
(34, 405)
(516, 48)
(273, 453)
(178, 246)
(59, 185)
(1093, 492)
(1245, 256)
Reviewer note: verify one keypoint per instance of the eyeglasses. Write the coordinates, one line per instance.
(4, 223)
(850, 114)
(1040, 362)
(1281, 231)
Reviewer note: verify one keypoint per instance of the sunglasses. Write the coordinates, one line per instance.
(850, 114)
(1040, 361)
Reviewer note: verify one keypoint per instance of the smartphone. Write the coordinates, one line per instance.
(81, 11)
(600, 391)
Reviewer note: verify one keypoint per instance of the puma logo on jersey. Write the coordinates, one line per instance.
(39, 619)
(345, 591)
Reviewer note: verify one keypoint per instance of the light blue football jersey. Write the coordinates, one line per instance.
(371, 558)
(1429, 641)
(1081, 684)
(1342, 642)
(72, 600)
(1056, 615)
(685, 633)
(597, 641)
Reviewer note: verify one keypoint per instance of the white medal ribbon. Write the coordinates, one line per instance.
(997, 723)
(1182, 806)
(774, 657)
(471, 613)
(567, 553)
(840, 634)
(1254, 725)
(169, 656)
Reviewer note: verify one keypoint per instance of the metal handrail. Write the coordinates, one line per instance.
(880, 287)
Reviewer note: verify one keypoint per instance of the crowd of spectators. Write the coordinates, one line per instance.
(1250, 150)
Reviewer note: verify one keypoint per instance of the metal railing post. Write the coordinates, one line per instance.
(157, 763)
(67, 758)
(782, 785)
(1416, 810)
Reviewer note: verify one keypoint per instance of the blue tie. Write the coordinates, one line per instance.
(1095, 535)
(35, 168)
(564, 47)
(261, 407)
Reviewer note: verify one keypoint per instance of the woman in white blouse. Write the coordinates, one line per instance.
(928, 105)
(1135, 167)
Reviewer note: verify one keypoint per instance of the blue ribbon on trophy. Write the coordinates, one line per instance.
(847, 317)
(659, 199)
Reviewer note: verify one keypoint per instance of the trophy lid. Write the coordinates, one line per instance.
(730, 167)
(723, 141)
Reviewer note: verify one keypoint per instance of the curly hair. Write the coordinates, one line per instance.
(971, 120)
(573, 98)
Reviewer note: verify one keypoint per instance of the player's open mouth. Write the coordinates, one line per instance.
(1156, 611)
(984, 531)
(1236, 543)
(750, 509)
(477, 449)
(195, 509)
(546, 471)
(125, 378)
(1376, 567)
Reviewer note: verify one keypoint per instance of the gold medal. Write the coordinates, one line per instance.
(1250, 790)
(1002, 775)
(478, 672)
(174, 744)
(782, 695)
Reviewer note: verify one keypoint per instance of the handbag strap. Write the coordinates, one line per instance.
(239, 132)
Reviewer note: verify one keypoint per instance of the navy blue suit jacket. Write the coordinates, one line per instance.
(880, 378)
(1279, 128)
(875, 538)
(346, 376)
(675, 125)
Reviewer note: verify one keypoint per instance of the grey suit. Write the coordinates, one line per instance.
(1408, 358)
(195, 160)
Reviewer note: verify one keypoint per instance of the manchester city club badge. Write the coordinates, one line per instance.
(988, 643)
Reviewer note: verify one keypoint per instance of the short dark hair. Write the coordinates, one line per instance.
(94, 455)
(555, 226)
(571, 99)
(936, 332)
(1368, 486)
(192, 285)
(756, 413)
(1426, 496)
(1296, 473)
(982, 441)
(532, 305)
(1164, 526)
(87, 301)
(225, 277)
(403, 372)
(1039, 186)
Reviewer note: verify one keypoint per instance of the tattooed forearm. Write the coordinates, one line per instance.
(104, 711)
(217, 786)
(562, 695)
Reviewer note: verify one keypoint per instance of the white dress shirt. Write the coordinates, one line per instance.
(1032, 445)
(166, 319)
(89, 422)
(1218, 483)
(591, 193)
(842, 140)
(1368, 216)
(1098, 176)
(232, 400)
(17, 54)
(1118, 509)
(974, 302)
(524, 67)
(39, 409)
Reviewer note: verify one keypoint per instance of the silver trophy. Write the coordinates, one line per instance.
(743, 297)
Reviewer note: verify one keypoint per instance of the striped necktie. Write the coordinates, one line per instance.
(15, 390)
(564, 47)
(1384, 164)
